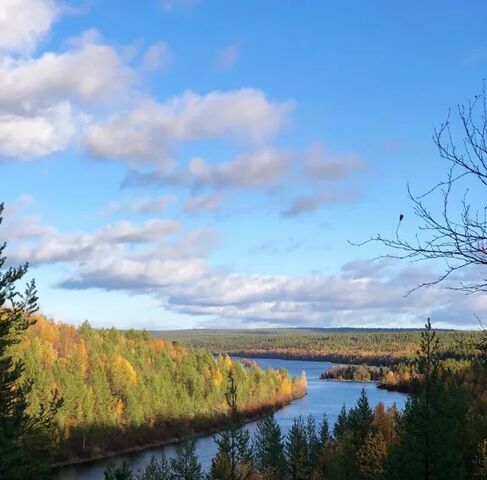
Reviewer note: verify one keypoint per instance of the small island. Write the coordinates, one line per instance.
(395, 378)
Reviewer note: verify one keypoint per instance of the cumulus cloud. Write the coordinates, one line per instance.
(52, 246)
(42, 99)
(256, 170)
(260, 169)
(91, 72)
(163, 259)
(228, 56)
(24, 22)
(303, 204)
(26, 136)
(149, 132)
(157, 57)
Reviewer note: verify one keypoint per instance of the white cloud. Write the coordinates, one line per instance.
(90, 73)
(47, 131)
(260, 169)
(24, 22)
(163, 259)
(52, 246)
(42, 99)
(157, 57)
(148, 133)
(256, 170)
(228, 56)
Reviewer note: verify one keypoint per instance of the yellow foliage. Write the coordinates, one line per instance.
(83, 358)
(218, 378)
(118, 409)
(286, 387)
(228, 362)
(123, 366)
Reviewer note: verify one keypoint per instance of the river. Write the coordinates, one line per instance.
(323, 397)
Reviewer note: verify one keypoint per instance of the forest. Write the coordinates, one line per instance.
(149, 390)
(440, 435)
(376, 347)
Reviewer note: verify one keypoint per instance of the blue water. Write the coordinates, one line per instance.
(323, 397)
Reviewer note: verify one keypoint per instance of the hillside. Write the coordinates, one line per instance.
(128, 389)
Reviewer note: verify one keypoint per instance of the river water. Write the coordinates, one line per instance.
(323, 397)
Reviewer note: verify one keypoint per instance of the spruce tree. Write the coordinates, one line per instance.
(324, 433)
(297, 452)
(430, 428)
(156, 470)
(186, 465)
(314, 444)
(341, 425)
(121, 472)
(25, 450)
(371, 457)
(360, 419)
(269, 449)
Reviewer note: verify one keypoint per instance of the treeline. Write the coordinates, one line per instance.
(357, 373)
(440, 435)
(370, 347)
(123, 390)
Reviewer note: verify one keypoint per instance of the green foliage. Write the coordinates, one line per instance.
(121, 472)
(25, 440)
(234, 460)
(127, 382)
(156, 470)
(379, 347)
(297, 451)
(186, 465)
(269, 449)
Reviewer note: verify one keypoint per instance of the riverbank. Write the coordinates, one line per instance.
(218, 425)
(372, 360)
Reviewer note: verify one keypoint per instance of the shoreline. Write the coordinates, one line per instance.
(57, 467)
(337, 359)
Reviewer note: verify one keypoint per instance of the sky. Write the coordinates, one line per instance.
(207, 163)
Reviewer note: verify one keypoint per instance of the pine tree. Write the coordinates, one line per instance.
(371, 456)
(360, 419)
(297, 452)
(121, 472)
(324, 433)
(430, 428)
(341, 425)
(156, 470)
(186, 465)
(269, 449)
(25, 449)
(314, 444)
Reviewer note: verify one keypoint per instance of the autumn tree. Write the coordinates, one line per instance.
(23, 454)
(234, 460)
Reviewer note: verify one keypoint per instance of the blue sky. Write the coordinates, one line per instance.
(184, 163)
